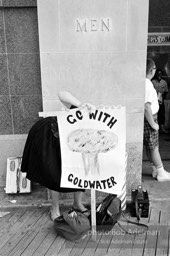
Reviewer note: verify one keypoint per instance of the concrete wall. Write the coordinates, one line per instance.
(20, 82)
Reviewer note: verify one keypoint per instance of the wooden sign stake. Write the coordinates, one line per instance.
(93, 213)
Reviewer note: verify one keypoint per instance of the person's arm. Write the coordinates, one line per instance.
(149, 117)
(68, 99)
(160, 97)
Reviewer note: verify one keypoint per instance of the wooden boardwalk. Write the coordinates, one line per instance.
(29, 231)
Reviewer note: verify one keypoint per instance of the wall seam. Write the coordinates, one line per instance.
(9, 84)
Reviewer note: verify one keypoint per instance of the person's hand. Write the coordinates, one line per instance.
(160, 97)
(90, 107)
(155, 126)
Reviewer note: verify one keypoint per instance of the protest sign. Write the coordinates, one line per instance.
(93, 148)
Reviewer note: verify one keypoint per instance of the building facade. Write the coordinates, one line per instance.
(117, 66)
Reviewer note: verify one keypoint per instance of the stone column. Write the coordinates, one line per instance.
(97, 50)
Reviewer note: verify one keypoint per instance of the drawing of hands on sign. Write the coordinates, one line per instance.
(90, 143)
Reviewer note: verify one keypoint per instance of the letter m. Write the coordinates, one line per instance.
(81, 26)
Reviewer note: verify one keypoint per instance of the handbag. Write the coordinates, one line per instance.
(72, 225)
(108, 212)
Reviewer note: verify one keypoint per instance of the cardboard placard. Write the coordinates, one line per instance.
(93, 148)
(16, 181)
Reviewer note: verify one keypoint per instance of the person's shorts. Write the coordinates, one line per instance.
(151, 137)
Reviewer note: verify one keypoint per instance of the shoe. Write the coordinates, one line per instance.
(79, 210)
(54, 215)
(163, 176)
(154, 173)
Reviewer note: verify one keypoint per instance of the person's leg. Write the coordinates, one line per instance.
(55, 211)
(77, 204)
(162, 175)
(154, 170)
(151, 141)
(155, 157)
(148, 142)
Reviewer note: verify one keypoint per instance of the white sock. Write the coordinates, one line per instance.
(153, 166)
(154, 169)
(160, 168)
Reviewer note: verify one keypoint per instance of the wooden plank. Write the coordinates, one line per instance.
(12, 224)
(139, 241)
(7, 217)
(29, 236)
(163, 234)
(128, 240)
(116, 240)
(22, 243)
(118, 236)
(39, 245)
(22, 222)
(12, 238)
(91, 245)
(47, 113)
(66, 248)
(5, 232)
(78, 248)
(93, 213)
(151, 237)
(104, 243)
(46, 243)
(35, 243)
(56, 246)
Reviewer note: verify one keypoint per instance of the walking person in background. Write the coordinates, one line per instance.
(151, 127)
(161, 87)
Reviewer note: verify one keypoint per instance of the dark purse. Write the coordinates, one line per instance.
(108, 212)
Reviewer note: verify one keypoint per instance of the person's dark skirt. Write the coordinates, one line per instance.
(41, 158)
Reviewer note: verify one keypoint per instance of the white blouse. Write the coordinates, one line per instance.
(151, 96)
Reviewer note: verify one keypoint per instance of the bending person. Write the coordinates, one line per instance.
(42, 157)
